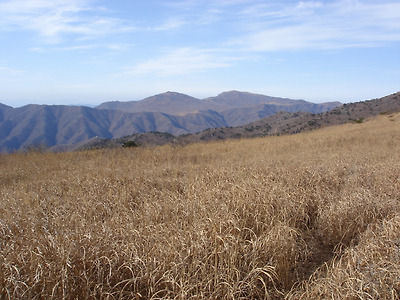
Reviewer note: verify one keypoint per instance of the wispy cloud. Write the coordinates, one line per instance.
(52, 20)
(82, 47)
(169, 24)
(182, 61)
(309, 4)
(11, 72)
(190, 4)
(265, 26)
(318, 25)
(205, 12)
(273, 26)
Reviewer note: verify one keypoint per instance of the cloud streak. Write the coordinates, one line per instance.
(271, 26)
(182, 61)
(54, 20)
(314, 25)
(11, 72)
(253, 25)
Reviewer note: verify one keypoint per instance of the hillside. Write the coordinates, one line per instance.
(308, 216)
(3, 107)
(290, 123)
(61, 126)
(66, 125)
(276, 124)
(240, 99)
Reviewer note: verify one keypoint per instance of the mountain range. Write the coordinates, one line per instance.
(277, 124)
(175, 113)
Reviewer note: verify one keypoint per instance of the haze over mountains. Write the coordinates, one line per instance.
(170, 112)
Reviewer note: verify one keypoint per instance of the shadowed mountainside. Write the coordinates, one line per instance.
(57, 125)
(3, 106)
(44, 125)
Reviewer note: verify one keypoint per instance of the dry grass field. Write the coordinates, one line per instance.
(308, 216)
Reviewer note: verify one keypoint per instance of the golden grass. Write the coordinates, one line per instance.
(313, 215)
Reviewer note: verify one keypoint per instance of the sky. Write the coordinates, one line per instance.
(85, 52)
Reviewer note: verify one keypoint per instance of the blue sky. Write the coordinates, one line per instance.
(91, 51)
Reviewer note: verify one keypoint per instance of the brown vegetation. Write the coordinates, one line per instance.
(307, 216)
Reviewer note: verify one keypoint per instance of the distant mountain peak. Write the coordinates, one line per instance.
(169, 94)
(235, 92)
(172, 93)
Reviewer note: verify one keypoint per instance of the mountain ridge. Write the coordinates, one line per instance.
(178, 114)
(188, 104)
(277, 124)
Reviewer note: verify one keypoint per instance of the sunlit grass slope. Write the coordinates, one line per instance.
(308, 216)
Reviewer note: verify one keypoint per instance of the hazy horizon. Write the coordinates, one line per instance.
(97, 104)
